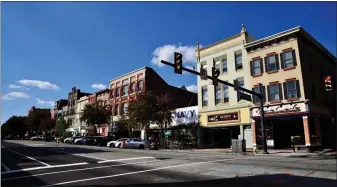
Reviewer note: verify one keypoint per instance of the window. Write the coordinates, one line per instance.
(124, 108)
(274, 92)
(224, 65)
(292, 89)
(271, 63)
(133, 88)
(140, 76)
(218, 95)
(217, 65)
(140, 86)
(225, 93)
(238, 61)
(204, 96)
(204, 66)
(118, 93)
(125, 90)
(288, 59)
(256, 67)
(117, 110)
(256, 99)
(126, 81)
(112, 93)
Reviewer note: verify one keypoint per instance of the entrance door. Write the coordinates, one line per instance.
(221, 138)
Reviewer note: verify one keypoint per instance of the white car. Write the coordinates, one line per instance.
(37, 138)
(116, 143)
(135, 143)
(71, 139)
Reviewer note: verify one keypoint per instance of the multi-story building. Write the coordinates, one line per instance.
(58, 107)
(46, 111)
(102, 97)
(222, 116)
(292, 66)
(73, 96)
(82, 127)
(123, 89)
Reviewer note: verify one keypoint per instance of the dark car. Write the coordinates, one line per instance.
(103, 140)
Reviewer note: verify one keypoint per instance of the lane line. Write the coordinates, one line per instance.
(5, 167)
(69, 153)
(137, 172)
(82, 169)
(43, 163)
(42, 167)
(124, 159)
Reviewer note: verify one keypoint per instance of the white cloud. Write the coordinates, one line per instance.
(39, 84)
(166, 53)
(39, 101)
(98, 86)
(192, 88)
(13, 86)
(15, 95)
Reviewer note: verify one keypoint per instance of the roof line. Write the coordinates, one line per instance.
(145, 67)
(218, 42)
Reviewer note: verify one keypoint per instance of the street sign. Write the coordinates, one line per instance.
(168, 133)
(244, 96)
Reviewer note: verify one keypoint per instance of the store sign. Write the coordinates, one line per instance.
(223, 117)
(185, 115)
(280, 109)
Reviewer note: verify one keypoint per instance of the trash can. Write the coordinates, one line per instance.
(234, 146)
(241, 146)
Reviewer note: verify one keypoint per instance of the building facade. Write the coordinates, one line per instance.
(292, 65)
(80, 125)
(58, 106)
(222, 116)
(102, 97)
(124, 89)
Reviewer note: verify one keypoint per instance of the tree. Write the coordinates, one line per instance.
(95, 114)
(39, 120)
(163, 113)
(14, 126)
(142, 109)
(127, 123)
(60, 127)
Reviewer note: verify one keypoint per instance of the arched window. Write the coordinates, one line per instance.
(133, 88)
(140, 86)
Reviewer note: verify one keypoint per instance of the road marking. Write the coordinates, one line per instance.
(73, 154)
(43, 163)
(124, 159)
(43, 167)
(82, 169)
(136, 172)
(5, 167)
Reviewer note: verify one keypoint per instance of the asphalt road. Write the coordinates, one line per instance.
(30, 163)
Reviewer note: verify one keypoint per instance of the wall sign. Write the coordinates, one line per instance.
(223, 117)
(287, 108)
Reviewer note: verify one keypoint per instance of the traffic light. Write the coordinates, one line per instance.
(215, 75)
(327, 81)
(178, 63)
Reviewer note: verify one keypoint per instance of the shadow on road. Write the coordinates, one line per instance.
(258, 181)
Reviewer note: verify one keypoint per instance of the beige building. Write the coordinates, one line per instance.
(292, 65)
(222, 116)
(80, 126)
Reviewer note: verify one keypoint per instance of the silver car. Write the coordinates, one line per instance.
(135, 143)
(116, 143)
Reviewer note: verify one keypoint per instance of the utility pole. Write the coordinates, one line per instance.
(179, 68)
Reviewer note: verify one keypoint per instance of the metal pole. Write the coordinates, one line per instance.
(264, 140)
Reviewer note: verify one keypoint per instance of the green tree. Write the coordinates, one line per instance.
(39, 120)
(14, 126)
(60, 127)
(95, 114)
(127, 123)
(163, 113)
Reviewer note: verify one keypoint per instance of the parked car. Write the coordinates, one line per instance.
(38, 138)
(79, 141)
(116, 143)
(102, 140)
(135, 143)
(70, 140)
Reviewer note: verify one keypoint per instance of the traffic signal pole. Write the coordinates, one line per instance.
(259, 95)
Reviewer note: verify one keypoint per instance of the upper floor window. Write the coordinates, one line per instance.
(204, 95)
(256, 99)
(271, 63)
(112, 93)
(238, 61)
(124, 108)
(256, 67)
(140, 76)
(288, 59)
(118, 92)
(217, 64)
(292, 89)
(225, 93)
(218, 95)
(224, 65)
(274, 92)
(133, 88)
(140, 86)
(125, 90)
(126, 81)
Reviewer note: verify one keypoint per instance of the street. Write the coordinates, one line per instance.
(33, 163)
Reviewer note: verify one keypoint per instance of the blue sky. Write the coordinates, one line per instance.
(49, 47)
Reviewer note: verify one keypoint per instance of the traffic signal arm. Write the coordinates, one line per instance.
(221, 81)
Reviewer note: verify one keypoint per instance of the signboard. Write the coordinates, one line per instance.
(281, 109)
(223, 117)
(168, 133)
(244, 96)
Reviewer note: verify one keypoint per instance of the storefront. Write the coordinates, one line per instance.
(285, 121)
(218, 128)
